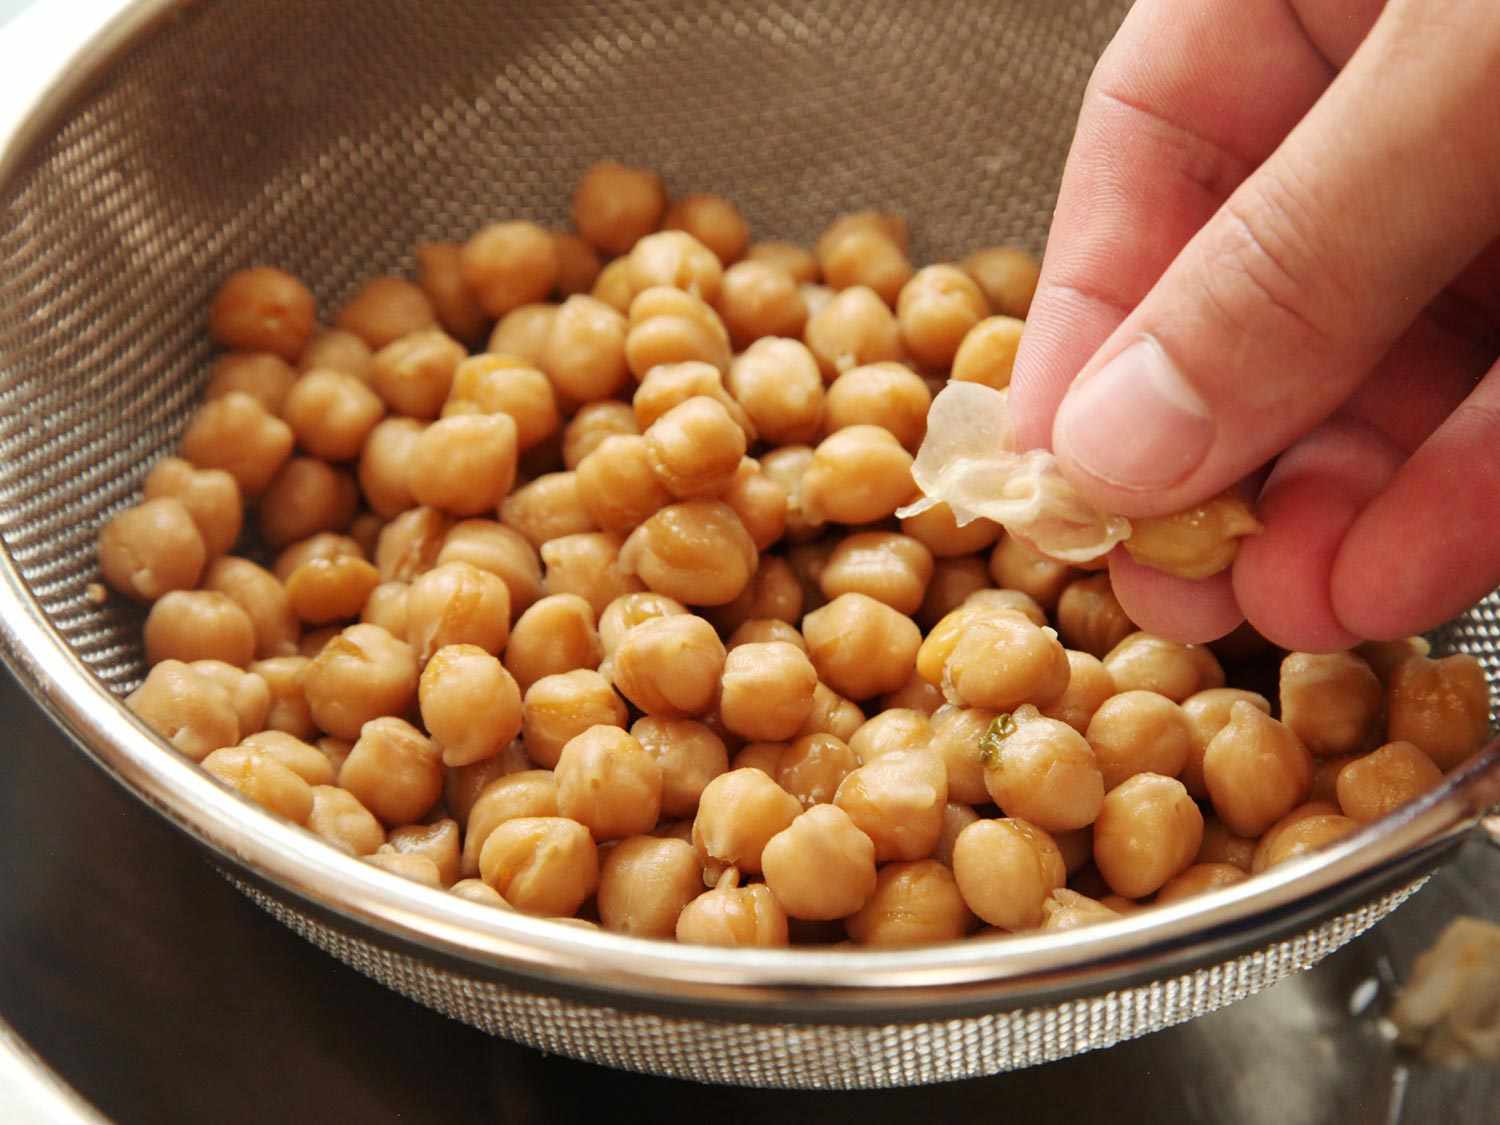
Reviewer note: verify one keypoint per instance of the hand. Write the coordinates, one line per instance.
(1276, 235)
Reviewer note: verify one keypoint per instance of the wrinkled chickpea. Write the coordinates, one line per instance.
(897, 800)
(306, 497)
(546, 866)
(1200, 878)
(861, 647)
(152, 549)
(1207, 712)
(891, 568)
(988, 352)
(675, 259)
(394, 769)
(670, 326)
(547, 508)
(522, 333)
(778, 384)
(738, 812)
(821, 866)
(1002, 660)
(1139, 732)
(759, 300)
(733, 915)
(306, 761)
(263, 309)
(866, 256)
(1005, 870)
(410, 543)
(1042, 771)
(936, 309)
(888, 395)
(553, 636)
(414, 373)
(589, 565)
(1441, 706)
(1017, 565)
(811, 769)
(559, 707)
(592, 425)
(853, 329)
(211, 497)
(695, 448)
(890, 731)
(766, 691)
(236, 434)
(1089, 617)
(615, 206)
(384, 310)
(456, 603)
(331, 413)
(261, 375)
(1331, 701)
(787, 466)
(860, 474)
(1255, 769)
(617, 485)
(915, 695)
(470, 704)
(338, 817)
(690, 756)
(645, 883)
(502, 384)
(322, 591)
(258, 776)
(364, 673)
(1371, 786)
(608, 783)
(506, 265)
(1089, 685)
(249, 695)
(1007, 275)
(669, 666)
(190, 625)
(335, 350)
(1149, 663)
(525, 793)
(584, 352)
(914, 903)
(1148, 830)
(796, 261)
(832, 714)
(500, 550)
(187, 708)
(464, 464)
(1297, 836)
(697, 552)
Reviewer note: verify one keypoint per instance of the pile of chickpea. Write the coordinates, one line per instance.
(580, 593)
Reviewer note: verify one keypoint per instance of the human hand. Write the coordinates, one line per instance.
(1279, 219)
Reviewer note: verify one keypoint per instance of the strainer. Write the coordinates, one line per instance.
(153, 146)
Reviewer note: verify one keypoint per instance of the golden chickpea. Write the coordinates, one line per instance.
(1207, 712)
(765, 630)
(463, 785)
(547, 508)
(864, 257)
(339, 818)
(1005, 870)
(559, 707)
(697, 552)
(695, 448)
(858, 475)
(417, 868)
(690, 756)
(1222, 846)
(187, 708)
(941, 640)
(608, 783)
(887, 224)
(813, 767)
(759, 501)
(1139, 732)
(817, 298)
(501, 384)
(1043, 771)
(670, 326)
(1007, 275)
(938, 531)
(547, 866)
(1201, 878)
(437, 842)
(1068, 910)
(1301, 836)
(1089, 685)
(615, 206)
(285, 677)
(578, 265)
(212, 500)
(677, 260)
(888, 732)
(394, 770)
(734, 916)
(778, 384)
(1089, 616)
(592, 425)
(897, 800)
(506, 265)
(470, 704)
(629, 610)
(553, 636)
(152, 549)
(712, 220)
(1002, 660)
(774, 593)
(584, 353)
(891, 568)
(645, 883)
(912, 904)
(190, 625)
(763, 756)
(832, 714)
(759, 300)
(236, 434)
(323, 591)
(336, 350)
(936, 310)
(385, 310)
(258, 776)
(385, 464)
(414, 373)
(1148, 831)
(261, 375)
(738, 812)
(888, 395)
(522, 333)
(786, 256)
(853, 329)
(1255, 769)
(263, 309)
(1384, 657)
(1441, 706)
(362, 674)
(1149, 663)
(767, 691)
(915, 695)
(457, 604)
(306, 761)
(1196, 542)
(1371, 786)
(786, 466)
(306, 497)
(335, 750)
(480, 892)
(464, 464)
(588, 564)
(501, 551)
(861, 647)
(613, 286)
(526, 793)
(670, 385)
(1331, 701)
(952, 582)
(669, 666)
(956, 817)
(440, 277)
(248, 694)
(410, 543)
(1325, 779)
(821, 866)
(1016, 565)
(331, 413)
(988, 352)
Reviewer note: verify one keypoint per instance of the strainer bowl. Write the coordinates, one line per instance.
(147, 148)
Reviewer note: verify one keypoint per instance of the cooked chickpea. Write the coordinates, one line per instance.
(1331, 701)
(578, 265)
(891, 568)
(236, 434)
(1296, 837)
(645, 883)
(861, 647)
(1196, 542)
(559, 707)
(888, 732)
(394, 770)
(339, 818)
(832, 714)
(1008, 277)
(952, 582)
(697, 552)
(786, 256)
(936, 309)
(812, 768)
(211, 497)
(888, 395)
(1441, 706)
(690, 756)
(584, 353)
(613, 286)
(1016, 565)
(315, 640)
(670, 385)
(594, 423)
(417, 868)
(502, 551)
(988, 352)
(463, 785)
(385, 465)
(669, 666)
(938, 531)
(763, 756)
(546, 866)
(1002, 660)
(306, 761)
(506, 265)
(778, 384)
(1139, 732)
(523, 332)
(499, 384)
(1255, 769)
(1005, 870)
(759, 300)
(1043, 771)
(738, 812)
(786, 466)
(335, 750)
(249, 695)
(774, 593)
(190, 625)
(1373, 785)
(1089, 616)
(629, 610)
(1325, 778)
(440, 277)
(941, 640)
(386, 309)
(263, 309)
(1201, 878)
(912, 904)
(456, 603)
(759, 501)
(733, 915)
(854, 328)
(615, 206)
(858, 475)
(331, 413)
(362, 674)
(1089, 685)
(1207, 712)
(712, 220)
(414, 373)
(261, 375)
(864, 257)
(322, 591)
(526, 793)
(258, 776)
(306, 497)
(1148, 831)
(187, 708)
(464, 464)
(887, 224)
(480, 892)
(365, 529)
(410, 543)
(670, 326)
(554, 635)
(589, 565)
(767, 691)
(152, 549)
(470, 704)
(675, 259)
(1068, 910)
(336, 350)
(547, 508)
(437, 842)
(1149, 663)
(695, 448)
(1384, 657)
(608, 783)
(897, 800)
(765, 630)
(821, 866)
(1222, 846)
(915, 695)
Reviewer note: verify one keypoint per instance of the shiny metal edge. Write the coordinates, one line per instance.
(31, 1093)
(1011, 973)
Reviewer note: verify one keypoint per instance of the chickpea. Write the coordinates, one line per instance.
(858, 475)
(912, 904)
(331, 413)
(414, 373)
(559, 707)
(1222, 846)
(507, 265)
(1148, 831)
(690, 756)
(526, 793)
(953, 580)
(457, 604)
(812, 768)
(1016, 565)
(609, 783)
(585, 350)
(1149, 663)
(864, 257)
(594, 423)
(1089, 616)
(942, 639)
(306, 497)
(938, 531)
(437, 842)
(1194, 543)
(888, 395)
(821, 866)
(697, 552)
(712, 220)
(1043, 771)
(888, 732)
(470, 704)
(787, 466)
(936, 310)
(410, 543)
(765, 630)
(767, 689)
(786, 256)
(832, 714)
(629, 610)
(759, 300)
(733, 915)
(190, 625)
(1297, 837)
(1008, 277)
(440, 277)
(1089, 685)
(187, 708)
(886, 224)
(897, 800)
(385, 464)
(234, 433)
(763, 756)
(385, 310)
(547, 508)
(675, 259)
(541, 865)
(335, 750)
(817, 298)
(613, 286)
(1441, 706)
(306, 761)
(496, 384)
(322, 591)
(365, 529)
(285, 678)
(588, 565)
(362, 674)
(1371, 786)
(263, 309)
(261, 375)
(1005, 870)
(1068, 910)
(1383, 657)
(212, 500)
(774, 593)
(695, 448)
(1003, 660)
(248, 694)
(669, 666)
(464, 464)
(553, 636)
(645, 884)
(893, 569)
(258, 776)
(670, 385)
(394, 770)
(1255, 769)
(463, 785)
(670, 326)
(501, 551)
(152, 549)
(956, 817)
(1331, 701)
(615, 206)
(417, 868)
(760, 503)
(480, 892)
(988, 352)
(1207, 712)
(778, 384)
(915, 695)
(523, 332)
(1139, 732)
(1201, 878)
(853, 329)
(336, 350)
(339, 818)
(861, 647)
(738, 812)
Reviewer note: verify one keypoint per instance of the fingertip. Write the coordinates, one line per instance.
(1191, 612)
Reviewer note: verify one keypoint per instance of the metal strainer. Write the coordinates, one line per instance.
(155, 145)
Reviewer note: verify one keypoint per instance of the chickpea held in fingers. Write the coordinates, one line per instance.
(1194, 543)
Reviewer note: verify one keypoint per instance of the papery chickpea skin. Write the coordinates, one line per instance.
(509, 264)
(1147, 832)
(1256, 771)
(190, 625)
(546, 866)
(211, 497)
(738, 813)
(897, 800)
(861, 647)
(821, 866)
(670, 666)
(855, 328)
(1005, 870)
(913, 903)
(778, 384)
(263, 309)
(1139, 732)
(384, 310)
(189, 710)
(1441, 706)
(362, 674)
(988, 352)
(1372, 785)
(555, 635)
(615, 206)
(936, 309)
(152, 549)
(645, 883)
(891, 568)
(690, 756)
(236, 434)
(413, 374)
(261, 375)
(697, 552)
(858, 475)
(1042, 771)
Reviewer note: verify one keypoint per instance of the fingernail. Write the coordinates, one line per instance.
(1135, 423)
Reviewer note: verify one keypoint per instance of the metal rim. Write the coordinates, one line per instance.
(777, 983)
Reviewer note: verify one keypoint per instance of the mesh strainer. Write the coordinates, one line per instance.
(153, 146)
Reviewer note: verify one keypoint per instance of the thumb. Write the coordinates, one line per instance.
(1315, 265)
